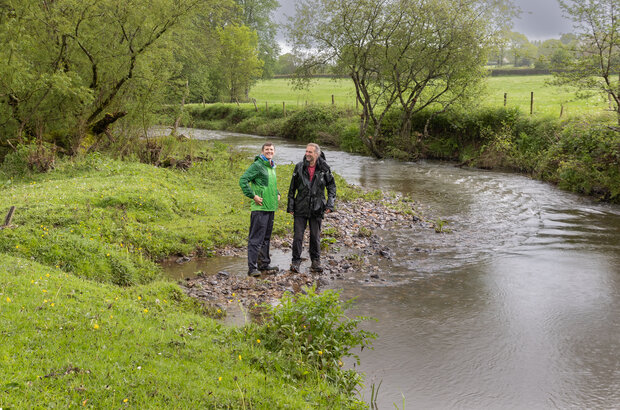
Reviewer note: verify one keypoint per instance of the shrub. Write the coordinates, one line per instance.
(314, 332)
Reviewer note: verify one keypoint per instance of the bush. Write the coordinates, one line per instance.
(314, 332)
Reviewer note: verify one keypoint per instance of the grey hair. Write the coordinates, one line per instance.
(316, 147)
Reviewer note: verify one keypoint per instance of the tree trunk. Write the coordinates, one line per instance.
(178, 120)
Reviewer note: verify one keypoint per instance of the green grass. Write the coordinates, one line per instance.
(87, 317)
(547, 99)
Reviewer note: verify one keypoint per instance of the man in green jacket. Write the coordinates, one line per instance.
(259, 183)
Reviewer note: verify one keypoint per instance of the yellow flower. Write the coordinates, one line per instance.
(146, 311)
(233, 294)
(44, 291)
(219, 311)
(16, 246)
(96, 326)
(239, 357)
(125, 400)
(139, 297)
(47, 275)
(320, 352)
(8, 299)
(340, 363)
(52, 304)
(257, 340)
(219, 379)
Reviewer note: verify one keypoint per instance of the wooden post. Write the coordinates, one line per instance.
(532, 103)
(505, 98)
(9, 216)
(255, 106)
(561, 110)
(284, 108)
(333, 102)
(266, 106)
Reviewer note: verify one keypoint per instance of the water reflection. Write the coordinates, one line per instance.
(519, 307)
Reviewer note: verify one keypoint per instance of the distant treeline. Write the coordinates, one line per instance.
(492, 72)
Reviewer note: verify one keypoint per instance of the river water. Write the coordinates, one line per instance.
(517, 308)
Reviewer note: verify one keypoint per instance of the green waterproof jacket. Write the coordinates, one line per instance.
(260, 179)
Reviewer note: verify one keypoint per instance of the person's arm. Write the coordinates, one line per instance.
(331, 192)
(244, 182)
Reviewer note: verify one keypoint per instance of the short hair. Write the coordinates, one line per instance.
(267, 144)
(317, 149)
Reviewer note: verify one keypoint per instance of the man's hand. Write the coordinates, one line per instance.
(278, 197)
(258, 200)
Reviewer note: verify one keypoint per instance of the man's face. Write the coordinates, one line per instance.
(311, 155)
(269, 151)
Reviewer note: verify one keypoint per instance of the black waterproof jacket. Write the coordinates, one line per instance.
(308, 199)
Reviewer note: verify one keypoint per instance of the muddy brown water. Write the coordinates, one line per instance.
(518, 307)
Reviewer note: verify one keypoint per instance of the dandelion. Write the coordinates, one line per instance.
(16, 246)
(219, 311)
(96, 326)
(125, 400)
(320, 352)
(47, 275)
(139, 297)
(146, 311)
(219, 379)
(257, 340)
(44, 291)
(52, 304)
(340, 363)
(8, 299)
(239, 357)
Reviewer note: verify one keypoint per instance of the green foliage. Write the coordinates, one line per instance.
(313, 331)
(307, 124)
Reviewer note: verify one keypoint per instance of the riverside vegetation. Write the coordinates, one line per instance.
(88, 319)
(579, 153)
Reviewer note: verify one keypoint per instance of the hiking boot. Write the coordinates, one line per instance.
(316, 266)
(295, 267)
(268, 268)
(254, 273)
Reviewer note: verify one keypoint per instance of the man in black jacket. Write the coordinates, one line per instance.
(307, 203)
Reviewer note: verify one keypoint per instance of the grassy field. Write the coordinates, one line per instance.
(87, 318)
(547, 99)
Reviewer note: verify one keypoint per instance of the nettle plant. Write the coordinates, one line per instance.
(314, 332)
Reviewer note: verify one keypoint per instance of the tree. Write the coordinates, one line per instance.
(412, 53)
(74, 67)
(596, 66)
(238, 63)
(257, 14)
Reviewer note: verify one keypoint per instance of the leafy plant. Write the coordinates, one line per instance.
(314, 331)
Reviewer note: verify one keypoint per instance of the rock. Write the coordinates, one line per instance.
(223, 273)
(183, 259)
(374, 276)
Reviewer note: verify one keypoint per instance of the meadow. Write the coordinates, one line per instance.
(548, 99)
(88, 319)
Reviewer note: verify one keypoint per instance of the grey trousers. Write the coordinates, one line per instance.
(299, 228)
(261, 225)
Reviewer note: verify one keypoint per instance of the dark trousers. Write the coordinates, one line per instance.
(261, 225)
(299, 228)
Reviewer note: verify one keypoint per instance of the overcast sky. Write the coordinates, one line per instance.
(540, 19)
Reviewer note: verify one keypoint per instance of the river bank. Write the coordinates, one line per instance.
(88, 317)
(350, 244)
(578, 153)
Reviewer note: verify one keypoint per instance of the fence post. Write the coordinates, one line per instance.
(561, 110)
(284, 108)
(532, 103)
(266, 107)
(255, 106)
(505, 98)
(332, 99)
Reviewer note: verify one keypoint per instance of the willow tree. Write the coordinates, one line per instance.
(74, 67)
(596, 66)
(406, 53)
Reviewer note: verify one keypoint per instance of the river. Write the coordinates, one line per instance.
(517, 308)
